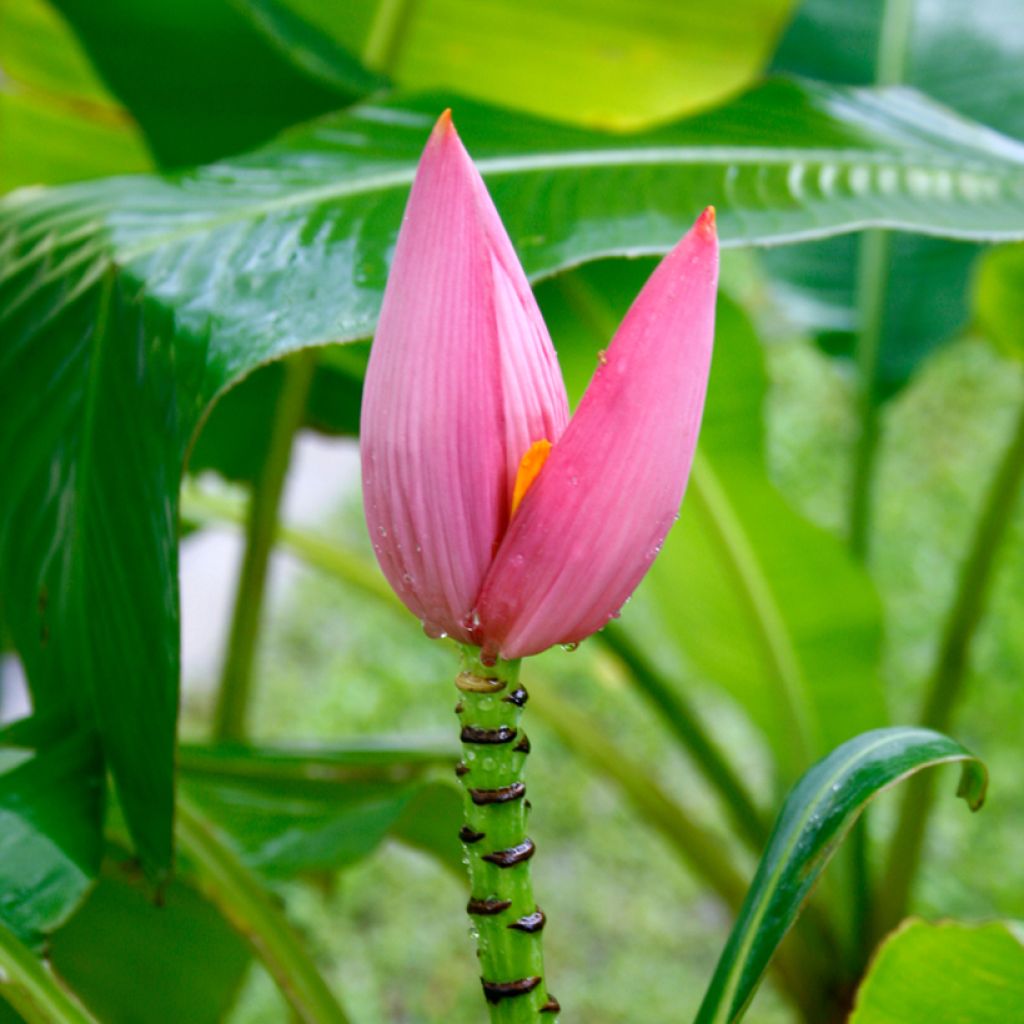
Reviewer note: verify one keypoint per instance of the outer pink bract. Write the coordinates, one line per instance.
(463, 378)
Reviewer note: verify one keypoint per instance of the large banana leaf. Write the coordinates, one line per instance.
(969, 59)
(128, 305)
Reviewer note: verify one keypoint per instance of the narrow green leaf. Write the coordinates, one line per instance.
(287, 812)
(817, 814)
(51, 803)
(128, 305)
(117, 952)
(946, 973)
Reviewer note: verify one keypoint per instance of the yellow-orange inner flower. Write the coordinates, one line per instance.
(529, 466)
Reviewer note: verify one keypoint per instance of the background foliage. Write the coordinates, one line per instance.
(844, 526)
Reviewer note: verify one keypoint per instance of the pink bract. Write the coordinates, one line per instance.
(463, 378)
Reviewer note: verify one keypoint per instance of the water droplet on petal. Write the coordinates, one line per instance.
(572, 646)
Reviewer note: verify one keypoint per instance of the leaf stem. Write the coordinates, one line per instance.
(685, 725)
(236, 677)
(32, 989)
(950, 673)
(386, 34)
(506, 919)
(243, 900)
(873, 271)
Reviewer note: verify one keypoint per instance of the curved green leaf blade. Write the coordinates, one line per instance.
(57, 121)
(292, 811)
(602, 63)
(51, 805)
(128, 305)
(946, 973)
(817, 814)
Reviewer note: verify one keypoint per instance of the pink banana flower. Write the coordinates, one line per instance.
(497, 519)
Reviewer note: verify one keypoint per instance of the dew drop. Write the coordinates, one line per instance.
(570, 647)
(470, 755)
(487, 764)
(486, 703)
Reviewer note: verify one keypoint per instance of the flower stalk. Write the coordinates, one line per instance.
(507, 922)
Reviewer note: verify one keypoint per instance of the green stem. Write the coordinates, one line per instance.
(950, 673)
(506, 919)
(252, 910)
(686, 726)
(32, 989)
(386, 35)
(872, 276)
(236, 677)
(874, 266)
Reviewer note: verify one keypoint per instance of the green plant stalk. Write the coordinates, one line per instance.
(386, 34)
(949, 675)
(236, 677)
(31, 989)
(506, 919)
(873, 269)
(684, 724)
(253, 912)
(874, 265)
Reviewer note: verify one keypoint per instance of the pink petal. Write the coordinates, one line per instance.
(593, 521)
(462, 379)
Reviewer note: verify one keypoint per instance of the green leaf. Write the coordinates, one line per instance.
(999, 298)
(602, 63)
(970, 63)
(817, 814)
(51, 803)
(121, 951)
(945, 973)
(128, 305)
(57, 121)
(288, 812)
(29, 988)
(737, 589)
(200, 76)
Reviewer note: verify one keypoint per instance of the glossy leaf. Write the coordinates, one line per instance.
(288, 812)
(973, 65)
(121, 951)
(601, 63)
(201, 77)
(817, 814)
(999, 298)
(945, 973)
(51, 801)
(737, 588)
(128, 305)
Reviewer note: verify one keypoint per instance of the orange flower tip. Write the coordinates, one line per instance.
(444, 126)
(706, 224)
(529, 467)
